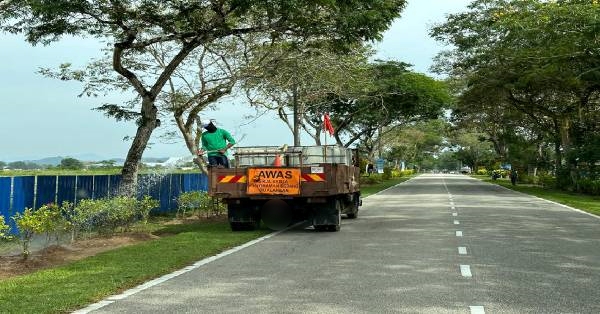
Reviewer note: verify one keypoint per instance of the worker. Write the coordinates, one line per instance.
(216, 142)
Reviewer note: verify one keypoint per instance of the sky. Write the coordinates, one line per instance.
(43, 117)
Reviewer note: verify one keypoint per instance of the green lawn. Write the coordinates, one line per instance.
(590, 204)
(366, 190)
(75, 285)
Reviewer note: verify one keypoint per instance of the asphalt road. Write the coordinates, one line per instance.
(434, 244)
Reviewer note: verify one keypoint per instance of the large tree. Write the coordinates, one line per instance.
(131, 27)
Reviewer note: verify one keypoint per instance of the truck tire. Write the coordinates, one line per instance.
(355, 204)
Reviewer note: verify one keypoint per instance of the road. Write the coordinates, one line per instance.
(434, 244)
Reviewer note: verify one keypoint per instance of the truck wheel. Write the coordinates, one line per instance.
(355, 204)
(338, 209)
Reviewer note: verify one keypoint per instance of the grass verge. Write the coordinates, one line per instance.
(370, 189)
(77, 284)
(588, 203)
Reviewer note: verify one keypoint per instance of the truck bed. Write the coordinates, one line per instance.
(314, 181)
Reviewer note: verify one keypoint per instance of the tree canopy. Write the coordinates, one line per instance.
(132, 27)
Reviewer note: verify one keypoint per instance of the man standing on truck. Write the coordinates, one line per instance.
(216, 142)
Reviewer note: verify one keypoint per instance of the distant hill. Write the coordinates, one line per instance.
(48, 161)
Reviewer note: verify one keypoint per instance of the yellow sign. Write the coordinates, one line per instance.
(273, 181)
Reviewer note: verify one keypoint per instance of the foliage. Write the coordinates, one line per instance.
(107, 215)
(482, 172)
(197, 202)
(71, 164)
(4, 230)
(527, 73)
(48, 219)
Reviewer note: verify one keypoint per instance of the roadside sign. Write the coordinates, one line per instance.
(273, 181)
(380, 165)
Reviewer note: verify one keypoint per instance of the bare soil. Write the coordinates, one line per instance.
(55, 255)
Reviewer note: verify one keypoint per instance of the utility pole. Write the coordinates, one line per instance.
(297, 113)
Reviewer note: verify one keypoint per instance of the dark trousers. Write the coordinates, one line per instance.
(220, 160)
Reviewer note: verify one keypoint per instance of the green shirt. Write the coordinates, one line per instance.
(213, 142)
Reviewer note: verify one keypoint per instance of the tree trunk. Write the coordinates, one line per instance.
(148, 122)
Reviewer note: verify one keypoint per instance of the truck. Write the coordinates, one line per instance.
(282, 185)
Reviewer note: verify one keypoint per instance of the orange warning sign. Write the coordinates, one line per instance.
(273, 181)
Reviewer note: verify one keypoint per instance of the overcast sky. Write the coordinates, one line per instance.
(42, 117)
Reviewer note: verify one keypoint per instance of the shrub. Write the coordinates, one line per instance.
(482, 172)
(29, 223)
(372, 179)
(387, 173)
(589, 186)
(547, 181)
(108, 214)
(198, 202)
(4, 230)
(408, 172)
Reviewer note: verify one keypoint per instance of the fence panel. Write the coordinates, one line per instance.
(22, 193)
(66, 189)
(176, 186)
(114, 184)
(85, 187)
(203, 184)
(45, 191)
(165, 193)
(5, 184)
(100, 186)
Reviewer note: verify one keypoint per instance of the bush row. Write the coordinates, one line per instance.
(103, 216)
(198, 203)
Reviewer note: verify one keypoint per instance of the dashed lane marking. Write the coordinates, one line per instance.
(465, 271)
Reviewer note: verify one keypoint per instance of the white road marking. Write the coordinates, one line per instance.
(459, 233)
(454, 214)
(176, 273)
(465, 271)
(456, 222)
(548, 201)
(477, 309)
(462, 250)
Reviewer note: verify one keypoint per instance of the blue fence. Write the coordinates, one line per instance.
(18, 193)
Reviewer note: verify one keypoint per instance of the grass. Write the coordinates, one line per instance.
(370, 189)
(77, 284)
(588, 203)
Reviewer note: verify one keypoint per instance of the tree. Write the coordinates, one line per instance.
(131, 27)
(71, 164)
(539, 57)
(296, 81)
(2, 164)
(397, 98)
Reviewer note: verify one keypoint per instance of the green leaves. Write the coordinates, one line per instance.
(4, 230)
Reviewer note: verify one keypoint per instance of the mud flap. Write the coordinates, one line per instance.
(328, 216)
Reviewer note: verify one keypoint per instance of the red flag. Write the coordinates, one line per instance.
(327, 124)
